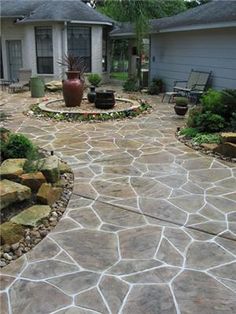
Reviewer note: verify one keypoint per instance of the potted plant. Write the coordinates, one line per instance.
(94, 79)
(73, 86)
(181, 105)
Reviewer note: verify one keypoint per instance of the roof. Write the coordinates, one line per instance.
(211, 15)
(31, 11)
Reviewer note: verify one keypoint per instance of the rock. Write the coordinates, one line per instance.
(12, 168)
(15, 246)
(227, 149)
(43, 233)
(2, 264)
(32, 216)
(54, 86)
(209, 147)
(33, 180)
(11, 192)
(228, 137)
(50, 168)
(4, 135)
(11, 233)
(63, 167)
(48, 194)
(7, 256)
(6, 248)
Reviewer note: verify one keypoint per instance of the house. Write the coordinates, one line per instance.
(202, 38)
(35, 34)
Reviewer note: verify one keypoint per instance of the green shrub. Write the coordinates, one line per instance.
(34, 162)
(189, 132)
(212, 101)
(181, 101)
(155, 87)
(94, 79)
(18, 146)
(206, 138)
(131, 85)
(209, 122)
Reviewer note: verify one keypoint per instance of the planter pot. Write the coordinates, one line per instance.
(105, 99)
(91, 95)
(180, 110)
(72, 89)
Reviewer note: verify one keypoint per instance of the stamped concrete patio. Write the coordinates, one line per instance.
(150, 226)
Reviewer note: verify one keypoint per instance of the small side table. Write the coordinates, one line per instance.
(171, 96)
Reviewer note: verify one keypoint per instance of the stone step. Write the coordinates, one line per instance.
(12, 192)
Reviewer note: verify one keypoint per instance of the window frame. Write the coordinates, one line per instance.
(36, 28)
(79, 26)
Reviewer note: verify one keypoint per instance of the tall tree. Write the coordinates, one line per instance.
(138, 12)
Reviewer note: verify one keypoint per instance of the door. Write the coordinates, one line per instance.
(14, 54)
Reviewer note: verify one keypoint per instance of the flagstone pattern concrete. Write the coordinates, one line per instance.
(150, 226)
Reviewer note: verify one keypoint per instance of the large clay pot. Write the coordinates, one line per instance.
(105, 99)
(180, 110)
(91, 95)
(73, 89)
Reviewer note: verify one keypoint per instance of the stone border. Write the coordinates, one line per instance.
(34, 235)
(41, 111)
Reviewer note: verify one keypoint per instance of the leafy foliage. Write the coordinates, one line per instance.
(94, 79)
(155, 87)
(73, 63)
(181, 101)
(18, 146)
(206, 138)
(131, 85)
(189, 132)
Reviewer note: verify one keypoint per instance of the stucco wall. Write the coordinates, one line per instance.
(173, 55)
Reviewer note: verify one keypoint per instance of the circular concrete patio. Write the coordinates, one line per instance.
(150, 227)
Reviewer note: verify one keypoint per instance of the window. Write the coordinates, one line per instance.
(79, 43)
(44, 50)
(104, 50)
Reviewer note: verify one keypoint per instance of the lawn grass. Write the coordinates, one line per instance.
(122, 76)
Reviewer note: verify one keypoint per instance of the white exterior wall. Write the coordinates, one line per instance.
(26, 33)
(96, 49)
(9, 31)
(173, 55)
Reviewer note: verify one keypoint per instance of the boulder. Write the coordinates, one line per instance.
(54, 86)
(11, 192)
(12, 168)
(11, 233)
(48, 194)
(50, 168)
(63, 167)
(33, 180)
(209, 146)
(227, 149)
(228, 137)
(32, 216)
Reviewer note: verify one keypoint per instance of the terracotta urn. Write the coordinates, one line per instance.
(73, 88)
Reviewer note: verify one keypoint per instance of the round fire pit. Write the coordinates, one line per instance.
(105, 99)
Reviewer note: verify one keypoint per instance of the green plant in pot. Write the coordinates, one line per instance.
(94, 79)
(73, 86)
(181, 105)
